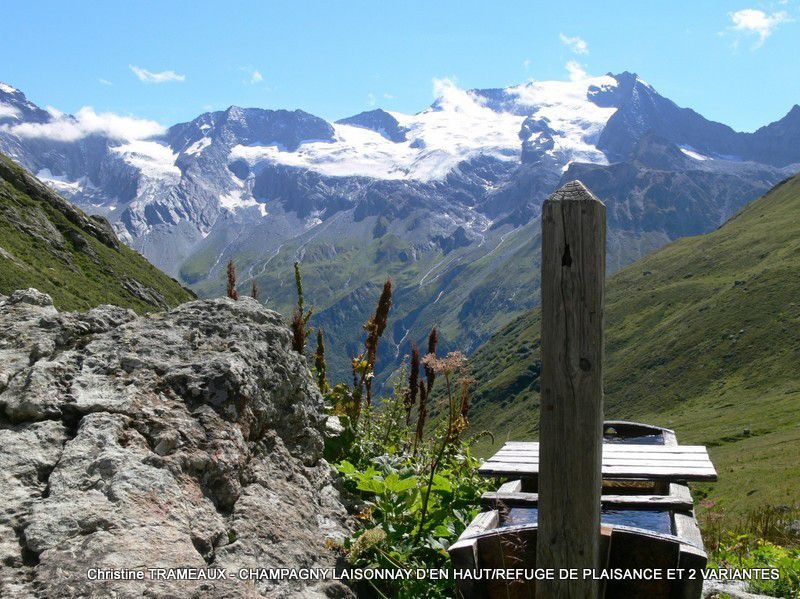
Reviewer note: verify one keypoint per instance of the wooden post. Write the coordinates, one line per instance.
(571, 421)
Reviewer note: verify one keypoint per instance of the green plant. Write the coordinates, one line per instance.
(300, 316)
(749, 552)
(417, 492)
(762, 537)
(453, 364)
(413, 507)
(421, 503)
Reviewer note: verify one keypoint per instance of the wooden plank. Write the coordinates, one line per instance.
(464, 553)
(511, 549)
(682, 491)
(656, 461)
(643, 467)
(634, 461)
(480, 523)
(632, 550)
(620, 447)
(571, 408)
(686, 529)
(512, 486)
(611, 453)
(611, 472)
(496, 499)
(665, 451)
(646, 471)
(653, 457)
(693, 561)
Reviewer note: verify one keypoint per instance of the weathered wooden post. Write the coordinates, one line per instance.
(571, 422)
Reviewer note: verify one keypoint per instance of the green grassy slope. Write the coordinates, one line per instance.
(47, 243)
(703, 337)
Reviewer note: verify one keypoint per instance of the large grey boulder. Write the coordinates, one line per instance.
(191, 438)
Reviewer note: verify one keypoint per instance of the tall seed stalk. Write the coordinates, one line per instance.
(300, 317)
(232, 293)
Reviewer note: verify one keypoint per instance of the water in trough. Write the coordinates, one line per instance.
(656, 521)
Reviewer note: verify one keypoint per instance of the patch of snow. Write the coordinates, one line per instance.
(61, 184)
(691, 153)
(313, 219)
(458, 127)
(198, 146)
(4, 87)
(576, 120)
(234, 201)
(235, 180)
(8, 111)
(154, 160)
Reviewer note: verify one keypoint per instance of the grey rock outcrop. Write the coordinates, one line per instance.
(713, 589)
(191, 438)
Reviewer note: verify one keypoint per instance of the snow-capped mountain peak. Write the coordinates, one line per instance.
(473, 150)
(458, 127)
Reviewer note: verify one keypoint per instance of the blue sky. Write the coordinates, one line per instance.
(736, 62)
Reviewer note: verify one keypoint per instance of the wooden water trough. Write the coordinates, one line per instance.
(597, 495)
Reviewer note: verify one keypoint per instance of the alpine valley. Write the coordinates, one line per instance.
(445, 201)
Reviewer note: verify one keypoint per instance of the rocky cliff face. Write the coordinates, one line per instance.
(189, 438)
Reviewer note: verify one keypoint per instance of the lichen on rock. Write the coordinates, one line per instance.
(189, 438)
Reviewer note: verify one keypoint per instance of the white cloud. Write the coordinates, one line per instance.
(447, 92)
(87, 122)
(104, 81)
(576, 71)
(152, 77)
(526, 64)
(450, 97)
(253, 76)
(371, 99)
(575, 44)
(388, 96)
(751, 21)
(7, 111)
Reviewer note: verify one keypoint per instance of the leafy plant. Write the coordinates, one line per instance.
(749, 552)
(417, 492)
(412, 507)
(764, 537)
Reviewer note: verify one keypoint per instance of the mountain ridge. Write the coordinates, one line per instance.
(441, 201)
(49, 243)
